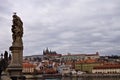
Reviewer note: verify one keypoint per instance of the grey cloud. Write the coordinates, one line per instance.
(75, 26)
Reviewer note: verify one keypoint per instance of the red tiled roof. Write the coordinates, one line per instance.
(28, 65)
(109, 66)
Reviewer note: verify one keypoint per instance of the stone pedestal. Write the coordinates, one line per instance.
(15, 67)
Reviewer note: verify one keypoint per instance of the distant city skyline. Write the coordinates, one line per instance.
(64, 26)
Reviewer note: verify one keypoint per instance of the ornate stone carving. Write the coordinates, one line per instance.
(15, 67)
(17, 31)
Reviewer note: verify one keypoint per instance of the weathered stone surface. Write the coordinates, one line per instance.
(5, 78)
(15, 67)
(17, 31)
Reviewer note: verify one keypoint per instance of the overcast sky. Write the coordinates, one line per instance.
(64, 26)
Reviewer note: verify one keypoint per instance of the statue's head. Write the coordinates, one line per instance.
(14, 16)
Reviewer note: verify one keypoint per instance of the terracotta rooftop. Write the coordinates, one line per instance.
(108, 66)
(28, 65)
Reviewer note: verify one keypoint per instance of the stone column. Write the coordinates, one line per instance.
(15, 67)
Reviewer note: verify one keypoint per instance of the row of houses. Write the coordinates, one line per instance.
(107, 68)
(89, 63)
(84, 66)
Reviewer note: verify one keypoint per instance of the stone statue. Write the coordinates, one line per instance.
(15, 66)
(17, 30)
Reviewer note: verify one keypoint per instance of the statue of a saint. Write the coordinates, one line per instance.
(17, 30)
